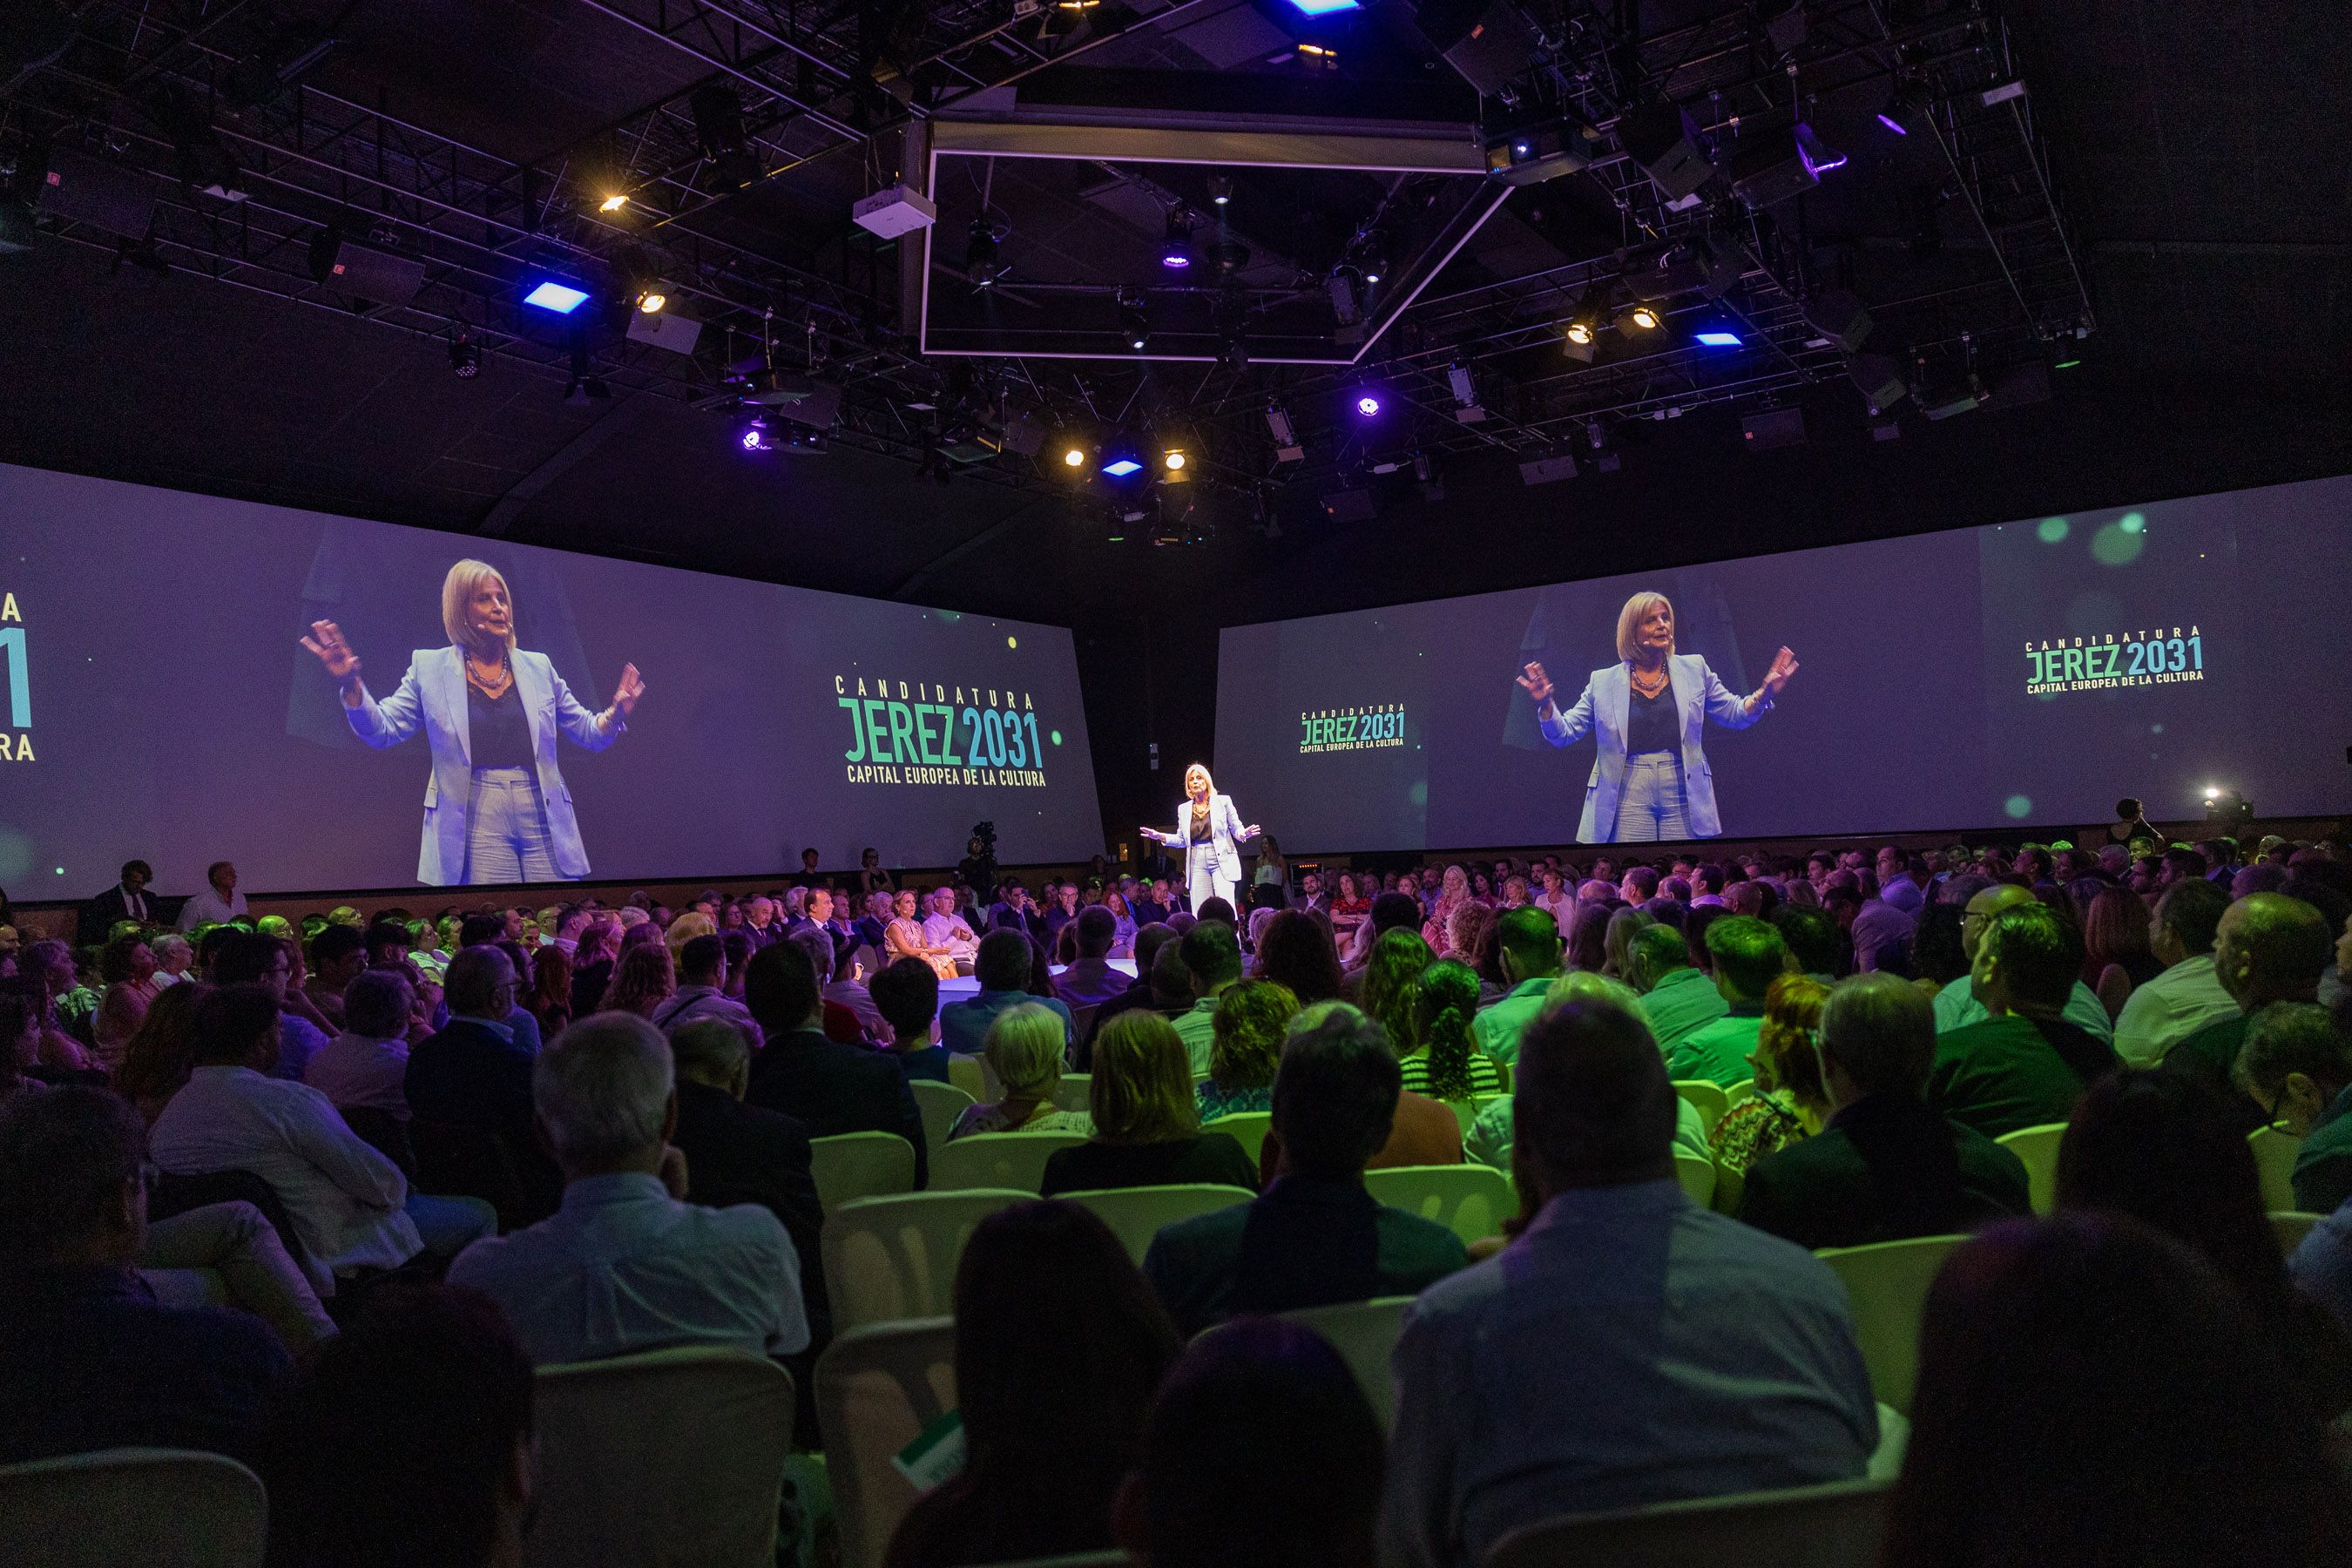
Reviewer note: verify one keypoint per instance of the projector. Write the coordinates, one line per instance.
(1535, 154)
(894, 212)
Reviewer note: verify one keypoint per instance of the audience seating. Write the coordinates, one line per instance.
(968, 1075)
(1744, 1089)
(2038, 1148)
(889, 1259)
(878, 1388)
(2292, 1227)
(1364, 1333)
(1697, 1177)
(1471, 1200)
(1730, 1186)
(475, 1162)
(1887, 1282)
(1466, 1111)
(1708, 1098)
(2275, 1153)
(1833, 1526)
(382, 1132)
(672, 1458)
(132, 1508)
(1074, 1091)
(1247, 1128)
(860, 1165)
(940, 1104)
(1136, 1214)
(997, 1160)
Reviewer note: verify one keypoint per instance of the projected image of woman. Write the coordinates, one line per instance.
(1210, 832)
(495, 808)
(1650, 780)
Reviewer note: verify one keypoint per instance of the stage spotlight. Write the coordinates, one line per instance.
(558, 296)
(613, 203)
(1174, 461)
(465, 357)
(1643, 314)
(1221, 189)
(651, 299)
(1584, 322)
(1176, 249)
(1368, 405)
(1718, 338)
(1134, 323)
(1075, 458)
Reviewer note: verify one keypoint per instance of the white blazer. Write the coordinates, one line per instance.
(1223, 849)
(1605, 709)
(432, 696)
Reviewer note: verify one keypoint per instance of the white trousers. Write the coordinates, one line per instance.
(1202, 884)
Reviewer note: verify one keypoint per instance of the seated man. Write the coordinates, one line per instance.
(250, 958)
(827, 1087)
(947, 930)
(1314, 1236)
(1698, 1356)
(2026, 1063)
(625, 1265)
(1748, 955)
(906, 992)
(702, 991)
(2173, 1004)
(366, 1065)
(1528, 947)
(2267, 948)
(2297, 1066)
(1958, 1004)
(89, 1359)
(1090, 980)
(337, 953)
(474, 1078)
(1212, 960)
(1002, 968)
(1678, 999)
(1887, 1165)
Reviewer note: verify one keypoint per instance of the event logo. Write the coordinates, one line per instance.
(16, 740)
(911, 733)
(1368, 728)
(2111, 660)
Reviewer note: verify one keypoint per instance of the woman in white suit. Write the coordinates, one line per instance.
(495, 808)
(1650, 780)
(1210, 832)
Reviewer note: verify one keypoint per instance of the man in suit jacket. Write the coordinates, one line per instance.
(475, 1074)
(1889, 1165)
(829, 1087)
(128, 899)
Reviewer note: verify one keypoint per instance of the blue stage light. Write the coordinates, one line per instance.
(1719, 340)
(553, 294)
(1119, 468)
(1322, 7)
(1368, 405)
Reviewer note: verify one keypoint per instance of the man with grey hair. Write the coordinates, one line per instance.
(1887, 1165)
(366, 1065)
(174, 955)
(1699, 1357)
(625, 1265)
(473, 1079)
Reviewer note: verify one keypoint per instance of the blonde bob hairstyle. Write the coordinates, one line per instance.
(1025, 1048)
(1141, 1092)
(1629, 621)
(1204, 771)
(458, 590)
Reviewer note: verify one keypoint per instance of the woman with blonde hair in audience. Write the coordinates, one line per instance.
(1789, 1102)
(1454, 892)
(1147, 1128)
(1396, 962)
(128, 969)
(1440, 1058)
(1023, 1049)
(1246, 1046)
(904, 938)
(684, 929)
(1122, 939)
(642, 980)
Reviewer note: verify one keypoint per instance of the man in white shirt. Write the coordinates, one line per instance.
(219, 903)
(2188, 994)
(944, 928)
(364, 1066)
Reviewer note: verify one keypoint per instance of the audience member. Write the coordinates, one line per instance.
(1298, 954)
(1390, 976)
(250, 958)
(1001, 967)
(217, 902)
(1044, 1455)
(702, 992)
(1147, 1124)
(1023, 1049)
(337, 954)
(1394, 911)
(1677, 999)
(2296, 1067)
(2266, 948)
(1708, 1358)
(1424, 1132)
(1748, 954)
(1440, 1058)
(1089, 981)
(828, 1087)
(468, 1085)
(644, 977)
(2185, 994)
(1887, 1164)
(1314, 1237)
(366, 1067)
(1789, 1102)
(625, 1264)
(1213, 961)
(1250, 1018)
(1529, 948)
(2025, 1063)
(907, 994)
(1958, 1003)
(1489, 1139)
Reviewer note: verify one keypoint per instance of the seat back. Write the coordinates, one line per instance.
(465, 1161)
(1364, 1333)
(2037, 1149)
(939, 1105)
(860, 1165)
(878, 1387)
(1247, 1128)
(1833, 1526)
(1015, 1160)
(890, 1259)
(1471, 1200)
(672, 1458)
(1136, 1214)
(1888, 1282)
(1707, 1097)
(1697, 1177)
(2275, 1155)
(1465, 1110)
(158, 1508)
(1730, 1187)
(1074, 1092)
(382, 1132)
(965, 1073)
(2292, 1227)
(1744, 1089)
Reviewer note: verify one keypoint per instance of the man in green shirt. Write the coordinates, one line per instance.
(1527, 940)
(1212, 957)
(1675, 997)
(2025, 1065)
(1748, 956)
(2269, 948)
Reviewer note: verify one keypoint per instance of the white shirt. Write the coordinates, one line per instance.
(343, 1198)
(2168, 1009)
(209, 905)
(950, 933)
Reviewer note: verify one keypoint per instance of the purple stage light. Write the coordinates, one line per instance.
(1893, 124)
(1368, 406)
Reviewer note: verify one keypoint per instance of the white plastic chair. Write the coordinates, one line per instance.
(156, 1508)
(1744, 1090)
(2037, 1149)
(2275, 1155)
(860, 1165)
(1833, 1526)
(1014, 1160)
(1472, 1201)
(876, 1389)
(1887, 1282)
(939, 1104)
(1707, 1097)
(673, 1459)
(1697, 1177)
(887, 1259)
(1136, 1214)
(2292, 1227)
(1248, 1128)
(1364, 1333)
(1072, 1093)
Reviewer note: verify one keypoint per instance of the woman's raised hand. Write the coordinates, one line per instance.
(326, 640)
(625, 696)
(1784, 665)
(1537, 685)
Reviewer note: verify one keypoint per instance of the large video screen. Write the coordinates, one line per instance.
(157, 700)
(2022, 674)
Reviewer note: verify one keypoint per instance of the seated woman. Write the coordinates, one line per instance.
(1244, 1048)
(1122, 939)
(1350, 910)
(1023, 1049)
(1789, 1102)
(643, 981)
(1146, 1126)
(128, 969)
(904, 938)
(1440, 1058)
(1044, 1455)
